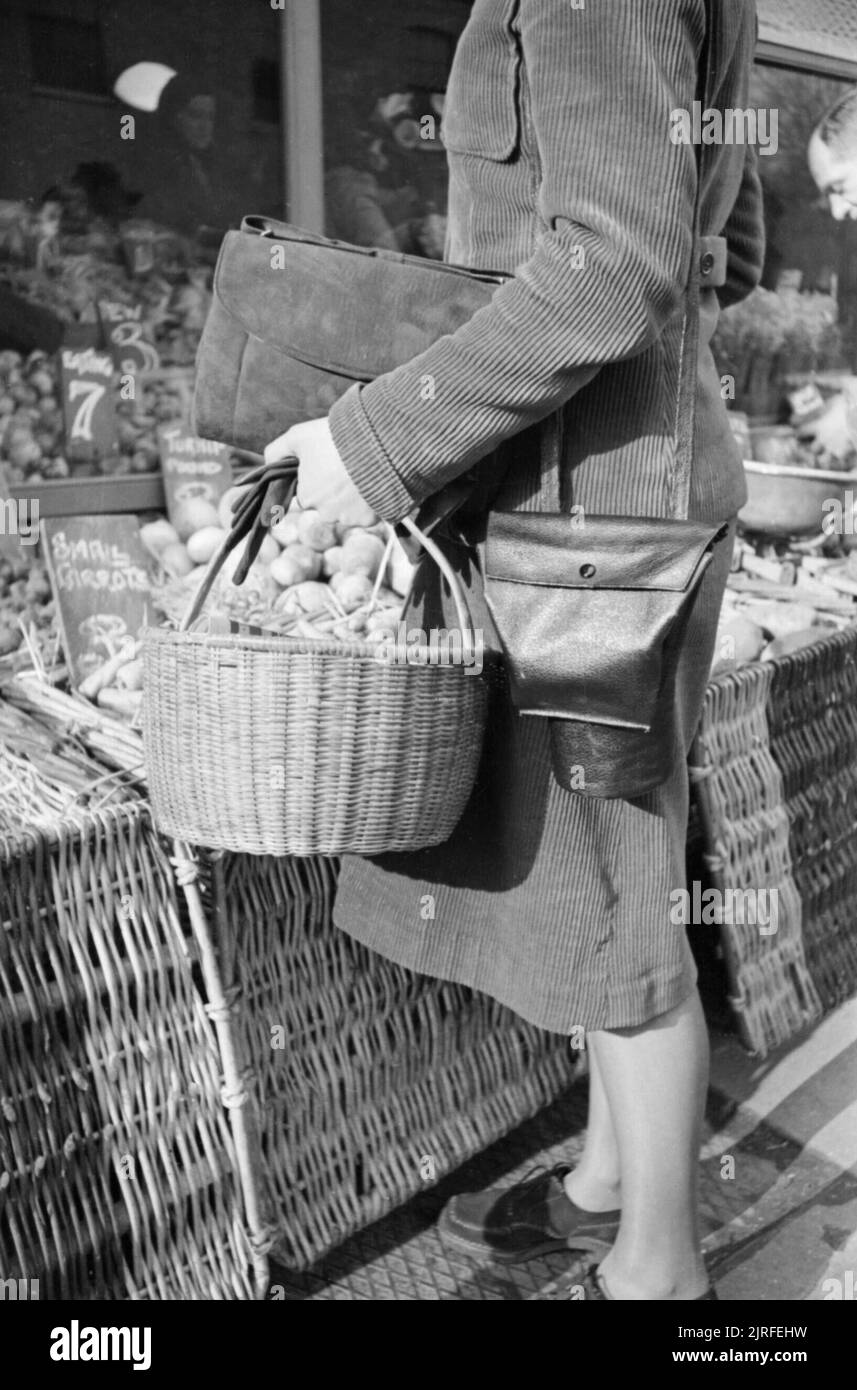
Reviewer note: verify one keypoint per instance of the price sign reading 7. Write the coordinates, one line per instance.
(91, 392)
(88, 405)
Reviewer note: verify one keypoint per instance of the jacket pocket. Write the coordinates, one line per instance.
(482, 111)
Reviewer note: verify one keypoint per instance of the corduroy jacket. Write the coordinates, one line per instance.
(564, 173)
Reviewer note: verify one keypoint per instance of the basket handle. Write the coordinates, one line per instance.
(275, 485)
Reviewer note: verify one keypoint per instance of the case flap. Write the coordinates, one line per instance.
(579, 551)
(353, 311)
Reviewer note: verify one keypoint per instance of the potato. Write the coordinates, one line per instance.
(312, 531)
(157, 535)
(193, 515)
(175, 560)
(285, 532)
(312, 595)
(301, 599)
(362, 554)
(42, 381)
(331, 561)
(296, 564)
(203, 544)
(352, 590)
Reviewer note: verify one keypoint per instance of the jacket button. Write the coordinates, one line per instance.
(587, 571)
(706, 264)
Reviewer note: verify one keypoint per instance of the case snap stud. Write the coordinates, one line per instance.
(587, 571)
(706, 265)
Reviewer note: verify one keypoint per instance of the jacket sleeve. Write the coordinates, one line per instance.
(745, 237)
(616, 202)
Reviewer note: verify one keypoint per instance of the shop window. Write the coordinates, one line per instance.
(67, 55)
(430, 53)
(800, 326)
(266, 91)
(385, 167)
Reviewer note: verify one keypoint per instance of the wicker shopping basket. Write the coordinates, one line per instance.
(277, 745)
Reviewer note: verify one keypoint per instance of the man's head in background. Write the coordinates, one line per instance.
(832, 155)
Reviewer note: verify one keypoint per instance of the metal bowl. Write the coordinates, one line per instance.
(784, 500)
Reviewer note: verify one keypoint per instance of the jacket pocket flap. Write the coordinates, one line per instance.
(346, 310)
(576, 551)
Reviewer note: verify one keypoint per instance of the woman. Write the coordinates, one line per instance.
(188, 184)
(368, 199)
(359, 207)
(563, 172)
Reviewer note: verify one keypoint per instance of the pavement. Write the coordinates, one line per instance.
(779, 1191)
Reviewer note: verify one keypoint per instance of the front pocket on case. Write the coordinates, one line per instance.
(482, 112)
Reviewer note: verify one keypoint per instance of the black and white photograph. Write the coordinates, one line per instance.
(428, 669)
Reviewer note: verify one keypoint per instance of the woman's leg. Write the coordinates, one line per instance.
(655, 1079)
(594, 1184)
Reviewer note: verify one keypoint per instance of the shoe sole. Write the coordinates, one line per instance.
(585, 1244)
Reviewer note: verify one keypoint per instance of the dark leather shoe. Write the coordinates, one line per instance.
(594, 1290)
(534, 1217)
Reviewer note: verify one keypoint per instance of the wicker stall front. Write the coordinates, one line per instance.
(371, 1082)
(775, 774)
(117, 1166)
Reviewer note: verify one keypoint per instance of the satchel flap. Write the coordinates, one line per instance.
(579, 551)
(352, 311)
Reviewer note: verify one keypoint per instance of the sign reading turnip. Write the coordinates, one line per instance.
(197, 473)
(88, 404)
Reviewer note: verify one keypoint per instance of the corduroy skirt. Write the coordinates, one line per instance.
(555, 904)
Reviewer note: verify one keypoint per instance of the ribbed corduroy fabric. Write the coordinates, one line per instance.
(562, 170)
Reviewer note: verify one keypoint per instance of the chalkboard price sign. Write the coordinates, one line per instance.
(100, 575)
(88, 403)
(197, 472)
(127, 338)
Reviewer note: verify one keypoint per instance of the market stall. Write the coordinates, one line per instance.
(202, 1070)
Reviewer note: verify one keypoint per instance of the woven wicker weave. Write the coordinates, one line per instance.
(117, 1165)
(379, 1081)
(812, 720)
(274, 746)
(775, 770)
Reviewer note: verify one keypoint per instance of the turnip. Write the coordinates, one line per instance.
(175, 560)
(312, 531)
(352, 590)
(285, 532)
(362, 554)
(296, 564)
(331, 561)
(204, 543)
